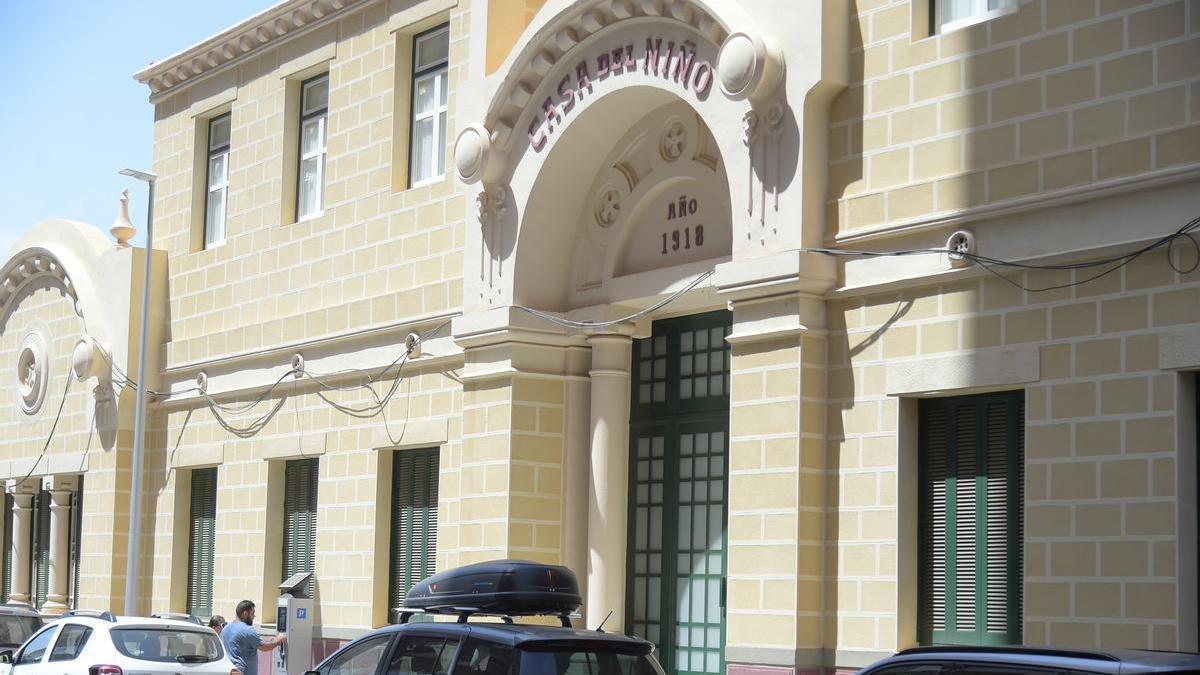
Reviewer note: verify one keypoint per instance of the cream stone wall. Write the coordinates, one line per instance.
(75, 445)
(379, 258)
(375, 257)
(353, 499)
(1057, 98)
(1101, 527)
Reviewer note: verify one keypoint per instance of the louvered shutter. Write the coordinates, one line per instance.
(75, 542)
(6, 582)
(414, 522)
(300, 519)
(202, 541)
(41, 548)
(971, 483)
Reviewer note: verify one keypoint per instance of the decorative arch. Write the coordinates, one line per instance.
(73, 257)
(581, 76)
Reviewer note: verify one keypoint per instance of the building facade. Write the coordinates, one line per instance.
(660, 290)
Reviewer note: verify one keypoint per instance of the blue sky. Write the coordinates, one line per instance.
(71, 114)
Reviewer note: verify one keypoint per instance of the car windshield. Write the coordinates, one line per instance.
(171, 645)
(15, 630)
(584, 660)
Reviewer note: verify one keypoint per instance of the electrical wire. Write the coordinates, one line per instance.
(568, 323)
(53, 428)
(1111, 264)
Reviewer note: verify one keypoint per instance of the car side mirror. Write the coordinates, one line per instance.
(312, 672)
(6, 656)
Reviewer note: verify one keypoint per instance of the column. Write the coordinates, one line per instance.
(608, 496)
(22, 493)
(60, 490)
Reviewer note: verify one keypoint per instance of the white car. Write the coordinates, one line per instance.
(91, 643)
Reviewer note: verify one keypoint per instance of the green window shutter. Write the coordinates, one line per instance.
(75, 542)
(41, 548)
(414, 522)
(202, 541)
(300, 518)
(970, 550)
(6, 582)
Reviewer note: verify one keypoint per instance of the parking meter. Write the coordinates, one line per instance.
(294, 616)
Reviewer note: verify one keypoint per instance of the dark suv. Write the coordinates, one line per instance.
(1033, 661)
(504, 589)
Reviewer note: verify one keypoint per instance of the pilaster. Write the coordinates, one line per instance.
(777, 462)
(21, 555)
(60, 489)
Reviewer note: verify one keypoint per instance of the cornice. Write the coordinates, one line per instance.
(263, 30)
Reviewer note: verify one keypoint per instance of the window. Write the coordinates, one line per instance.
(414, 521)
(314, 111)
(35, 649)
(483, 658)
(300, 519)
(70, 642)
(423, 656)
(953, 14)
(360, 659)
(971, 494)
(430, 96)
(217, 181)
(168, 645)
(201, 543)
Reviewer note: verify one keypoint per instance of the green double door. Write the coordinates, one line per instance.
(679, 448)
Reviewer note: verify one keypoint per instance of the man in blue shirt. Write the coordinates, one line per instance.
(243, 643)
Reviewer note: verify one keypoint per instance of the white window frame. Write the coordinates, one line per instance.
(217, 186)
(320, 116)
(437, 71)
(979, 13)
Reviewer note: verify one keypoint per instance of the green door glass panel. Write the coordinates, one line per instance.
(679, 447)
(970, 530)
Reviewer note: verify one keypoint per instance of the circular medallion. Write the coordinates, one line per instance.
(471, 153)
(608, 206)
(673, 140)
(32, 372)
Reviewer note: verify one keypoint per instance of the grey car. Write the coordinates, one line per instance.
(17, 623)
(1033, 661)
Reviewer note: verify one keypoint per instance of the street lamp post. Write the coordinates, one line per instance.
(139, 415)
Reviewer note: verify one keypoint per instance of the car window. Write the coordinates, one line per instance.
(36, 648)
(70, 642)
(485, 658)
(419, 655)
(16, 629)
(360, 659)
(168, 645)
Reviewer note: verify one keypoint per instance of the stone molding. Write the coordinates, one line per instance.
(982, 369)
(294, 447)
(411, 434)
(192, 456)
(47, 465)
(252, 36)
(27, 267)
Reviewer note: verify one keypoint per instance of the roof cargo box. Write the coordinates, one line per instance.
(499, 587)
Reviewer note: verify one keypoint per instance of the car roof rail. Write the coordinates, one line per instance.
(1034, 651)
(103, 615)
(178, 616)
